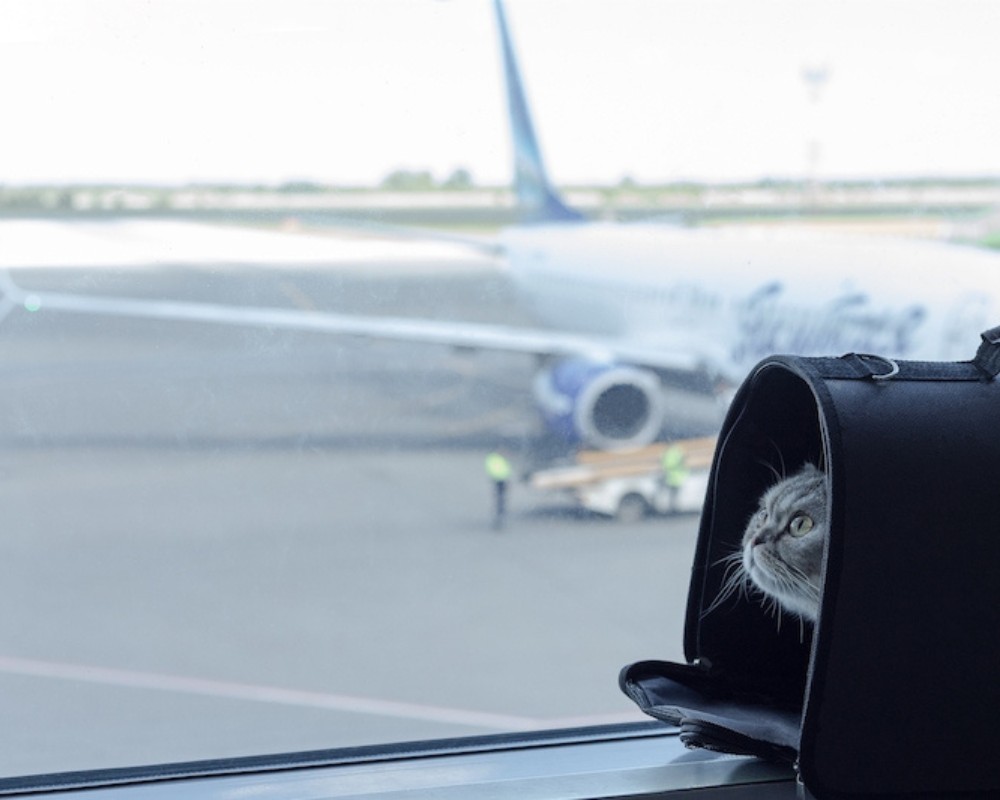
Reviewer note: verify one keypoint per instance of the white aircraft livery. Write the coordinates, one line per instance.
(625, 310)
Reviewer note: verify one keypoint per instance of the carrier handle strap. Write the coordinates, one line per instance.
(988, 355)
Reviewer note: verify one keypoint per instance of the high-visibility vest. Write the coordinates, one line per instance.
(675, 470)
(497, 467)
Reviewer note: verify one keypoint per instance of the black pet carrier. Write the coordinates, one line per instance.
(896, 692)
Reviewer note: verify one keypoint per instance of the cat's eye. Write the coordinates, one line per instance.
(800, 525)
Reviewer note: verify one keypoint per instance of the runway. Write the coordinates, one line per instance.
(222, 541)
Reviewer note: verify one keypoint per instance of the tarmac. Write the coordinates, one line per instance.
(224, 541)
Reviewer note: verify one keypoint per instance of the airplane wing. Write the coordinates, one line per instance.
(450, 333)
(141, 244)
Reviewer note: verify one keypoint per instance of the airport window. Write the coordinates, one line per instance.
(343, 343)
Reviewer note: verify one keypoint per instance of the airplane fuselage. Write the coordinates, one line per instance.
(737, 295)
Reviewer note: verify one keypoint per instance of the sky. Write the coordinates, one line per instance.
(346, 91)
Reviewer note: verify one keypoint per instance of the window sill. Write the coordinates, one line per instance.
(622, 761)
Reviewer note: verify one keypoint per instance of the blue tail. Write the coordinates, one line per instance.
(536, 198)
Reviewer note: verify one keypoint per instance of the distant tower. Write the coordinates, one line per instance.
(815, 78)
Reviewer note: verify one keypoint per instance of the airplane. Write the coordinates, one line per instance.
(633, 310)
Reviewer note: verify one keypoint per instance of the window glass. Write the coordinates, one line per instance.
(274, 290)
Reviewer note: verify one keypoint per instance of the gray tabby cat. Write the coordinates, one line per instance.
(781, 554)
(784, 542)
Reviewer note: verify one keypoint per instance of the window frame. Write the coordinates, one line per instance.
(626, 760)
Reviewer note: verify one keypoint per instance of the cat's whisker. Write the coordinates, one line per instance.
(734, 580)
(779, 475)
(771, 468)
(735, 557)
(728, 589)
(781, 460)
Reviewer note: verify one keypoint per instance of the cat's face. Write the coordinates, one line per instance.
(784, 542)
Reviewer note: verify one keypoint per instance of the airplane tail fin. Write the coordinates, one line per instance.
(537, 199)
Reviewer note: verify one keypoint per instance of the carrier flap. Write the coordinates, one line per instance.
(712, 714)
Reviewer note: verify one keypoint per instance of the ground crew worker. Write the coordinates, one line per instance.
(498, 470)
(675, 472)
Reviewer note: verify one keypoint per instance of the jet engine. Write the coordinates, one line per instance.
(604, 406)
